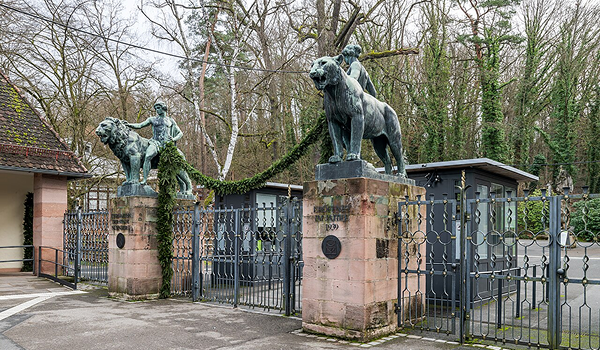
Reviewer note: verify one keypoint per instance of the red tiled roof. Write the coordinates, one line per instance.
(27, 141)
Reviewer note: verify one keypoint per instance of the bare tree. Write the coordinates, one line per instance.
(169, 24)
(55, 65)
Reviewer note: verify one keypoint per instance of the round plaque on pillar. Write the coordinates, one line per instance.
(331, 247)
(120, 240)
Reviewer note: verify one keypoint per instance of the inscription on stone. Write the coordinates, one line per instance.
(331, 227)
(331, 213)
(120, 222)
(331, 247)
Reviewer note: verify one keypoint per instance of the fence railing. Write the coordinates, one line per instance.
(246, 256)
(504, 268)
(61, 270)
(24, 260)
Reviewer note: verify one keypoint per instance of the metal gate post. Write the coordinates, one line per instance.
(465, 267)
(196, 253)
(287, 255)
(39, 264)
(293, 253)
(236, 266)
(554, 317)
(78, 249)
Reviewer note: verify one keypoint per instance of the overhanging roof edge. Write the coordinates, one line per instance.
(481, 163)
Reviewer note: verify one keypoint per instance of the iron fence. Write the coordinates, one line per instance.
(86, 233)
(248, 256)
(510, 269)
(61, 270)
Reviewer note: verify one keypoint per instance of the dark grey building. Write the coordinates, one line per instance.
(490, 239)
(259, 218)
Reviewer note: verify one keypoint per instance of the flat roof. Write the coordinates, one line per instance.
(283, 186)
(485, 164)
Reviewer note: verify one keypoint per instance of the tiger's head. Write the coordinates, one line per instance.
(326, 71)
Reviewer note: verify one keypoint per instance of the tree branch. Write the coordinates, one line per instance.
(376, 55)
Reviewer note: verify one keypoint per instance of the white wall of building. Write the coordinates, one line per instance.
(13, 189)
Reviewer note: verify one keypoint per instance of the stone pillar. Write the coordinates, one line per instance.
(133, 270)
(49, 206)
(353, 295)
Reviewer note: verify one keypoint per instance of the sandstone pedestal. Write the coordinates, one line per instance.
(133, 270)
(353, 296)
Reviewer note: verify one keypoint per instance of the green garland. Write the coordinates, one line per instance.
(171, 161)
(167, 184)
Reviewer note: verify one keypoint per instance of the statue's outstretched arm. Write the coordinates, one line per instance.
(138, 125)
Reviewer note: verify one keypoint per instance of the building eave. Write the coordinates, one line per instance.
(485, 164)
(68, 174)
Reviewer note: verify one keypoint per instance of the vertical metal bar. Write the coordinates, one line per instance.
(465, 267)
(458, 234)
(66, 224)
(39, 269)
(518, 310)
(33, 257)
(78, 249)
(196, 253)
(546, 273)
(554, 319)
(534, 302)
(287, 256)
(236, 266)
(55, 262)
(293, 259)
(499, 303)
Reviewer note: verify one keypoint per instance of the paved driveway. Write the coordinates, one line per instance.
(38, 314)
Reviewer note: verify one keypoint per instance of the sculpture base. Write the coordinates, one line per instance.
(135, 190)
(356, 168)
(134, 272)
(353, 295)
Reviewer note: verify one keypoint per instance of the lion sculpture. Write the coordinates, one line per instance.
(353, 115)
(130, 148)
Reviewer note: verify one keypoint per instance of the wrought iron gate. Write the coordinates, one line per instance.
(247, 256)
(85, 245)
(510, 269)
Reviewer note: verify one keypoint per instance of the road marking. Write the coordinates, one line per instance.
(37, 295)
(38, 298)
(13, 310)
